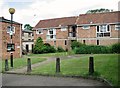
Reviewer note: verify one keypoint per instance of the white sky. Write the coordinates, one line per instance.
(31, 11)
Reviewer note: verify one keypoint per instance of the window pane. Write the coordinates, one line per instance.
(97, 28)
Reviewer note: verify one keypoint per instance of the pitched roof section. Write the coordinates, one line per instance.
(2, 19)
(56, 22)
(109, 17)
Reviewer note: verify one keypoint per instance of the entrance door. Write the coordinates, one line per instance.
(27, 48)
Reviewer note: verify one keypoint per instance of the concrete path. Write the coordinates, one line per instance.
(26, 80)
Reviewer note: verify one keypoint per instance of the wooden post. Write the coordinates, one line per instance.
(6, 65)
(29, 65)
(57, 65)
(91, 65)
(11, 59)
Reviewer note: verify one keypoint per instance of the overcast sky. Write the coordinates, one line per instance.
(31, 11)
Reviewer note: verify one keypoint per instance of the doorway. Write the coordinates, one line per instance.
(27, 48)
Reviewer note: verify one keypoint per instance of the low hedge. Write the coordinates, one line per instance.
(116, 48)
(92, 49)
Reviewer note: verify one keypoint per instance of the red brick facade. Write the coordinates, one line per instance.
(75, 30)
(5, 38)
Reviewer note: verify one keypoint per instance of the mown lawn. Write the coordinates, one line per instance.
(49, 54)
(21, 62)
(106, 66)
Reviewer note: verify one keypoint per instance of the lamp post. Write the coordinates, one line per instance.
(11, 11)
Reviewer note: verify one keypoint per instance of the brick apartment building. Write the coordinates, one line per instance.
(5, 38)
(96, 29)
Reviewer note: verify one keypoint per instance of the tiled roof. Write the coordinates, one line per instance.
(2, 19)
(109, 17)
(56, 22)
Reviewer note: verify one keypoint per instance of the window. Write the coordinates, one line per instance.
(9, 29)
(29, 34)
(83, 41)
(103, 31)
(39, 31)
(63, 28)
(86, 27)
(117, 27)
(51, 34)
(10, 47)
(97, 42)
(65, 42)
(54, 42)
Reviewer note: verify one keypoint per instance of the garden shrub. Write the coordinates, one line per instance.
(116, 48)
(76, 44)
(60, 49)
(40, 47)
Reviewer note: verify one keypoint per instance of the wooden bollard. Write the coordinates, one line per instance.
(91, 65)
(11, 60)
(6, 65)
(57, 65)
(29, 65)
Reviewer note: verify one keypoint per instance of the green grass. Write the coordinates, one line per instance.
(106, 66)
(21, 62)
(49, 54)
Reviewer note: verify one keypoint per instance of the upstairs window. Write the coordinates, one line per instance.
(117, 27)
(86, 27)
(51, 34)
(103, 31)
(39, 31)
(63, 28)
(9, 29)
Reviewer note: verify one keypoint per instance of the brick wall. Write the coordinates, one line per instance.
(6, 39)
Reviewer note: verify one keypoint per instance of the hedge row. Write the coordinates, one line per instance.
(89, 49)
(95, 49)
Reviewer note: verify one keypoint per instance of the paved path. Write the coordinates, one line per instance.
(26, 80)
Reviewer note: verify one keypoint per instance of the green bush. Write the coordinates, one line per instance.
(76, 44)
(94, 49)
(40, 47)
(116, 48)
(60, 49)
(48, 49)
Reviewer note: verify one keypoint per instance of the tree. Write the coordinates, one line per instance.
(98, 11)
(27, 27)
(38, 46)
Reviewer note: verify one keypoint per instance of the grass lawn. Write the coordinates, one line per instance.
(49, 54)
(106, 66)
(21, 62)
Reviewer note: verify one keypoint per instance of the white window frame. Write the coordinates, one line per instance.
(53, 34)
(102, 33)
(63, 28)
(86, 27)
(117, 27)
(9, 29)
(39, 31)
